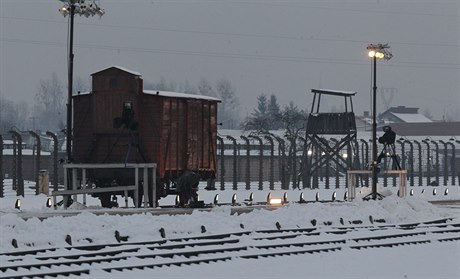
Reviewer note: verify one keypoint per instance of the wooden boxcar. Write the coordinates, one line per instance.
(119, 122)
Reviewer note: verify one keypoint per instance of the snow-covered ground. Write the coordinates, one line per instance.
(432, 260)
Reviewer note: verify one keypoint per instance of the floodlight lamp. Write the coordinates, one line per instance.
(309, 152)
(234, 199)
(379, 55)
(301, 199)
(177, 200)
(379, 51)
(275, 201)
(17, 204)
(64, 11)
(49, 203)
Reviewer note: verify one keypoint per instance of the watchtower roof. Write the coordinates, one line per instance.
(333, 92)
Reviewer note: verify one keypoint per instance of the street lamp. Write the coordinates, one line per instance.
(71, 8)
(376, 51)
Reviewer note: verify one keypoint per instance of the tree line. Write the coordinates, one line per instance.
(48, 110)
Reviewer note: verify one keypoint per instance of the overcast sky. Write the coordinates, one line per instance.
(273, 47)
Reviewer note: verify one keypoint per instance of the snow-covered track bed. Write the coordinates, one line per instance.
(210, 248)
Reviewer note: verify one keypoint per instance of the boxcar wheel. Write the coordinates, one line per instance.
(105, 200)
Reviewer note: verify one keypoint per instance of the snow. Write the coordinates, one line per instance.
(180, 95)
(120, 68)
(333, 92)
(412, 117)
(432, 260)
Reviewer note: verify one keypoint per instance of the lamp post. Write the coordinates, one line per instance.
(376, 51)
(83, 8)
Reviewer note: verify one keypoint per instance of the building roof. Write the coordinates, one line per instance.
(427, 129)
(411, 117)
(402, 109)
(404, 114)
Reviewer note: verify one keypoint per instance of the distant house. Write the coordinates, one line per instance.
(364, 122)
(402, 114)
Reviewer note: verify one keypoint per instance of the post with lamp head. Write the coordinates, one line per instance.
(83, 8)
(376, 51)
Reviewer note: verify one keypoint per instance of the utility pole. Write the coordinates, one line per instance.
(70, 8)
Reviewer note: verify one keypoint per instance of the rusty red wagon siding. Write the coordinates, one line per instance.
(176, 131)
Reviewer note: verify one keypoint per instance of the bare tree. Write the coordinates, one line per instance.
(229, 109)
(161, 85)
(205, 88)
(51, 103)
(12, 115)
(294, 121)
(81, 85)
(426, 112)
(188, 88)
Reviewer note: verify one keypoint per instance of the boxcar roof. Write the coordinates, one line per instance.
(119, 68)
(180, 95)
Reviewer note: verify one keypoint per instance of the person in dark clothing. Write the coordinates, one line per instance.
(187, 187)
(388, 137)
(388, 140)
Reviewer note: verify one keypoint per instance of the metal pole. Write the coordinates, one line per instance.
(2, 192)
(18, 140)
(222, 163)
(248, 163)
(37, 160)
(272, 162)
(428, 162)
(235, 162)
(293, 160)
(70, 84)
(365, 157)
(411, 157)
(446, 162)
(420, 171)
(282, 169)
(437, 162)
(55, 159)
(374, 132)
(261, 160)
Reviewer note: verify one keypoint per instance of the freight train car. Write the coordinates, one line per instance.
(120, 122)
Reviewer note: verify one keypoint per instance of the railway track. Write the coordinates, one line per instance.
(126, 256)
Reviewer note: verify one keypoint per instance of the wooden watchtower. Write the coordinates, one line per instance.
(330, 140)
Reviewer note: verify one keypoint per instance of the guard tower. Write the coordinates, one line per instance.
(330, 141)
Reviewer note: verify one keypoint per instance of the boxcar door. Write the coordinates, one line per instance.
(194, 134)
